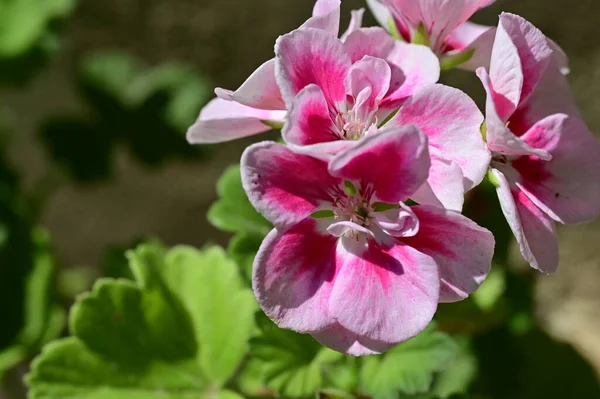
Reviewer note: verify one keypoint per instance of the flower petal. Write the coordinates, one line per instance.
(343, 340)
(444, 186)
(420, 67)
(462, 249)
(309, 120)
(326, 17)
(386, 295)
(284, 186)
(260, 90)
(452, 121)
(532, 50)
(499, 138)
(476, 38)
(382, 14)
(356, 18)
(369, 73)
(293, 276)
(393, 163)
(397, 222)
(440, 17)
(552, 95)
(222, 120)
(567, 187)
(311, 56)
(375, 42)
(534, 230)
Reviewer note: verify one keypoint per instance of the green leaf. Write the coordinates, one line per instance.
(291, 364)
(490, 292)
(222, 312)
(24, 22)
(67, 369)
(242, 249)
(409, 367)
(179, 330)
(44, 319)
(233, 211)
(460, 374)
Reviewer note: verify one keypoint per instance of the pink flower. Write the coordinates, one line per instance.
(366, 271)
(442, 24)
(546, 163)
(347, 90)
(256, 106)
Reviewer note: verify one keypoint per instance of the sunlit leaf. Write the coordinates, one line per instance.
(409, 367)
(288, 363)
(179, 330)
(233, 211)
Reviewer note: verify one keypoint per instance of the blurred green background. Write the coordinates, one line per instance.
(95, 97)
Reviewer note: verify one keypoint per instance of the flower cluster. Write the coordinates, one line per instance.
(366, 193)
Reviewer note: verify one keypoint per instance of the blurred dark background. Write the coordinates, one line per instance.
(219, 43)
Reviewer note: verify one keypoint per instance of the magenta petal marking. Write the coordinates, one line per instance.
(311, 56)
(394, 163)
(462, 249)
(567, 187)
(294, 271)
(309, 120)
(535, 231)
(283, 185)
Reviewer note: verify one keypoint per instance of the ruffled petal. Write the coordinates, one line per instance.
(552, 95)
(356, 19)
(375, 42)
(260, 90)
(567, 187)
(452, 121)
(420, 67)
(393, 163)
(343, 340)
(534, 230)
(284, 186)
(385, 295)
(367, 82)
(444, 186)
(222, 121)
(293, 275)
(462, 249)
(309, 120)
(479, 39)
(499, 137)
(311, 56)
(326, 17)
(532, 50)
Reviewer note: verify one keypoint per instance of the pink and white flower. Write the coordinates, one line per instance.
(546, 163)
(257, 106)
(348, 262)
(442, 24)
(347, 90)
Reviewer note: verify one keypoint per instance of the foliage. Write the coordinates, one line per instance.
(143, 108)
(166, 332)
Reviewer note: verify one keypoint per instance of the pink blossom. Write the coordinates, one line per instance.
(444, 24)
(546, 163)
(257, 106)
(347, 90)
(367, 271)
